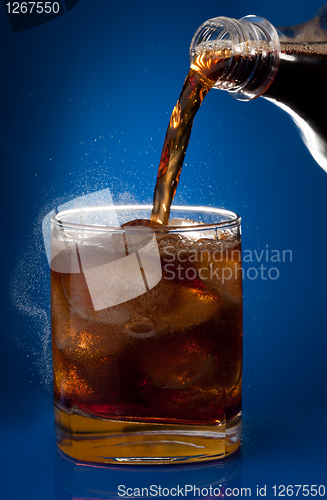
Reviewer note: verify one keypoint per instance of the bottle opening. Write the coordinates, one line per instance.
(245, 50)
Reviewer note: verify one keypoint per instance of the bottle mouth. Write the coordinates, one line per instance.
(253, 49)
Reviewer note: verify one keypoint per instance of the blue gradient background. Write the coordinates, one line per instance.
(86, 99)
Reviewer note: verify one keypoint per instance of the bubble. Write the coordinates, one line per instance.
(140, 327)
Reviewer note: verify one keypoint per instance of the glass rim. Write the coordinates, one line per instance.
(234, 221)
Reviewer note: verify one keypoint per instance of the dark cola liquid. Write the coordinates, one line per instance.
(301, 84)
(171, 355)
(205, 70)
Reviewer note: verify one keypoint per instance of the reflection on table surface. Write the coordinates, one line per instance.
(80, 481)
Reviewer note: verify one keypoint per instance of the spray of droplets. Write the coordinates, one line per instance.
(30, 293)
(30, 283)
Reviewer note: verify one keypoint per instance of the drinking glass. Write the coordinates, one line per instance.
(146, 334)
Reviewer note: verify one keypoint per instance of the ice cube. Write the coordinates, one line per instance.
(79, 330)
(219, 267)
(177, 364)
(186, 230)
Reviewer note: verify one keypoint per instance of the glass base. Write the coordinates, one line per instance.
(110, 441)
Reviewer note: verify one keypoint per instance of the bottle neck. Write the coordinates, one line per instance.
(253, 49)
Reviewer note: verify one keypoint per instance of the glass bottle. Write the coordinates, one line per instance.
(286, 65)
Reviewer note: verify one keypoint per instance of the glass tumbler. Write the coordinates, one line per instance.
(146, 334)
